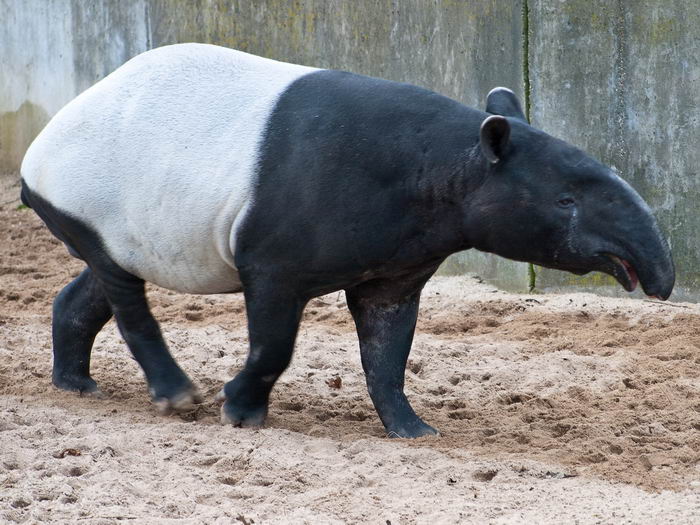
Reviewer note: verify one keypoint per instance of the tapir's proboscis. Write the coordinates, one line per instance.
(207, 170)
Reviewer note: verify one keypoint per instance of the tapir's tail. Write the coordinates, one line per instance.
(46, 213)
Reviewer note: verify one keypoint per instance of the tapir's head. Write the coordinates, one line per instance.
(544, 201)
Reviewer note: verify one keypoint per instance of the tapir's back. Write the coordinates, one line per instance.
(160, 155)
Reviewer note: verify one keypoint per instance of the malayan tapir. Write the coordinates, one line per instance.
(207, 170)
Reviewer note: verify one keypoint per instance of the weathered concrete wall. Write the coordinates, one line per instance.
(622, 80)
(51, 50)
(461, 49)
(617, 78)
(54, 49)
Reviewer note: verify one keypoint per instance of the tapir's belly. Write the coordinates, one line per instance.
(178, 244)
(159, 159)
(194, 268)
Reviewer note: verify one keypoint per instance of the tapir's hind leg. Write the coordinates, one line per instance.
(385, 315)
(273, 321)
(80, 311)
(169, 385)
(84, 306)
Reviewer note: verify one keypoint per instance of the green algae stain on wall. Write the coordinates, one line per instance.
(17, 131)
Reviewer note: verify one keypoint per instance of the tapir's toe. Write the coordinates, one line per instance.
(239, 415)
(220, 396)
(244, 419)
(181, 401)
(84, 385)
(415, 429)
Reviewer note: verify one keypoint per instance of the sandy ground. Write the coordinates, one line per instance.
(553, 409)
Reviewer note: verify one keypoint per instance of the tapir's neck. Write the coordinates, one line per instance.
(444, 193)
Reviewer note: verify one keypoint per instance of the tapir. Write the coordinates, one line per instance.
(207, 170)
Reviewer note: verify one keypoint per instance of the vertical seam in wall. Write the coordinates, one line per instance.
(147, 14)
(619, 152)
(526, 57)
(531, 273)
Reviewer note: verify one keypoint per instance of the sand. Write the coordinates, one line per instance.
(552, 408)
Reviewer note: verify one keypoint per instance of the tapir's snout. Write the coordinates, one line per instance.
(655, 269)
(639, 254)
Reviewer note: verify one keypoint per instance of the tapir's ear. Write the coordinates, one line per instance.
(502, 101)
(494, 135)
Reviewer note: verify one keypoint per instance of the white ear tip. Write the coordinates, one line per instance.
(500, 88)
(491, 118)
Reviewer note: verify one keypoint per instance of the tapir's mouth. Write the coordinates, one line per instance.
(624, 272)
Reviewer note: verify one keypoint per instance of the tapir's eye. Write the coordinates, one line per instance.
(565, 202)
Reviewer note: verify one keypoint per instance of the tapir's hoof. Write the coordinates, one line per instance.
(413, 430)
(238, 416)
(181, 401)
(85, 386)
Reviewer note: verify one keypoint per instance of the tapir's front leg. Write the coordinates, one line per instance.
(385, 314)
(274, 314)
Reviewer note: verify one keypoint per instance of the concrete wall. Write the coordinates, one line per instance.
(54, 49)
(51, 50)
(617, 78)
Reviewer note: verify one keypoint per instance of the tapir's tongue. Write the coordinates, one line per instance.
(625, 273)
(634, 279)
